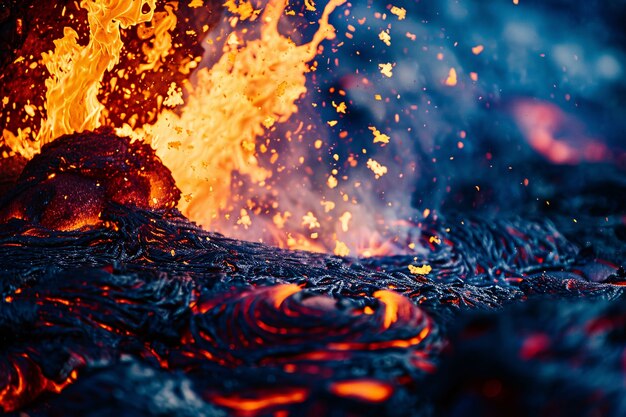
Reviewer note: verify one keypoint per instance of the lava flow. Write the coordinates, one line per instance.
(444, 274)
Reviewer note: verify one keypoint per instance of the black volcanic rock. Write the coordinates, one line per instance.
(70, 183)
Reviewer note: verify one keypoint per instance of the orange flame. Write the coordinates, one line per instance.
(253, 85)
(76, 72)
(211, 131)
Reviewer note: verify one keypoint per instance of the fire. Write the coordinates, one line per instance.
(76, 71)
(252, 86)
(163, 23)
(217, 132)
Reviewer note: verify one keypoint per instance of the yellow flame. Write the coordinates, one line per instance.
(230, 107)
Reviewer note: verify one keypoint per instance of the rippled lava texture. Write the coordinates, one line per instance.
(141, 313)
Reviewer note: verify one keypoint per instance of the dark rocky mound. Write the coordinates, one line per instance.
(72, 181)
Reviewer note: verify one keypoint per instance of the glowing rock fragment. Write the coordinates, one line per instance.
(420, 270)
(378, 169)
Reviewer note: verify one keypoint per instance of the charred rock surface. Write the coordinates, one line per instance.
(560, 357)
(252, 327)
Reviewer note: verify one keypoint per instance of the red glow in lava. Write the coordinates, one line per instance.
(557, 135)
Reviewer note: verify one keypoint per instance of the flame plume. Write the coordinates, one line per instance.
(76, 72)
(249, 89)
(213, 135)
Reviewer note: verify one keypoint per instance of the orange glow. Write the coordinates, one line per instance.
(58, 300)
(250, 406)
(17, 392)
(281, 292)
(391, 301)
(541, 122)
(401, 344)
(369, 390)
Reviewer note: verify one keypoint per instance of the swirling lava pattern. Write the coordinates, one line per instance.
(167, 316)
(367, 346)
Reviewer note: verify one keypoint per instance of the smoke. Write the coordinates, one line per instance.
(563, 56)
(468, 95)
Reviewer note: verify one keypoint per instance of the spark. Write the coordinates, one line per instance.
(386, 69)
(452, 78)
(385, 37)
(341, 249)
(378, 169)
(379, 137)
(309, 220)
(420, 270)
(174, 96)
(399, 11)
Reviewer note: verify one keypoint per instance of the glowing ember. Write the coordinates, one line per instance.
(379, 137)
(452, 78)
(399, 11)
(386, 69)
(378, 169)
(420, 270)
